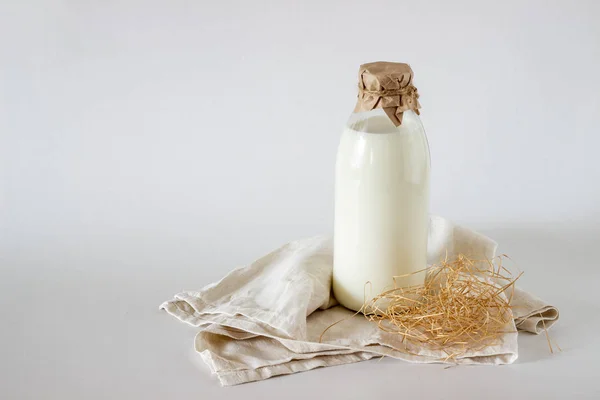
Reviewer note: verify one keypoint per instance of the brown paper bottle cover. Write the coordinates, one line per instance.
(387, 85)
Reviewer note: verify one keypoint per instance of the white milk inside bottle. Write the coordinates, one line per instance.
(381, 205)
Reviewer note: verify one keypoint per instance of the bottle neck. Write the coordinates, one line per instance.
(377, 121)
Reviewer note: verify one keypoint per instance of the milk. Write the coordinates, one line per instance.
(381, 206)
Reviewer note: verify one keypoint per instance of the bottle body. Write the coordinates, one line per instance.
(381, 206)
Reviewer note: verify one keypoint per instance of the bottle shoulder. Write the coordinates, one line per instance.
(372, 139)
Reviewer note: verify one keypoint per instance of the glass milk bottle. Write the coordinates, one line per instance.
(382, 189)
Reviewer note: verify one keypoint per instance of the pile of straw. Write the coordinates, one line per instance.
(464, 305)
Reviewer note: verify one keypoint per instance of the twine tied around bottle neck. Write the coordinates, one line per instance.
(406, 91)
(388, 86)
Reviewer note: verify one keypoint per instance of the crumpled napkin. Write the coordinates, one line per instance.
(265, 319)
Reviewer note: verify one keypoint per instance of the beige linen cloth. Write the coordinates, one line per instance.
(265, 319)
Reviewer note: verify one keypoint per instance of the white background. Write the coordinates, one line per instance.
(148, 147)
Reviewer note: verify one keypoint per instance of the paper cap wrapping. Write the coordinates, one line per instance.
(389, 86)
